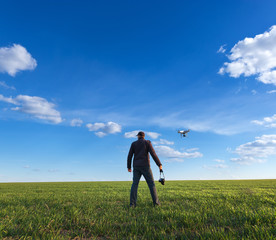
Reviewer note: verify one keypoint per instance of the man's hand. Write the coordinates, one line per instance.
(160, 168)
(129, 169)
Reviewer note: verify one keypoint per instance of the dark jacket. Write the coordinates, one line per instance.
(141, 149)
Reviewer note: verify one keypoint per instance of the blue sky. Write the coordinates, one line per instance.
(79, 79)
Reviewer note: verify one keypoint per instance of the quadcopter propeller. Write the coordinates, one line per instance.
(178, 131)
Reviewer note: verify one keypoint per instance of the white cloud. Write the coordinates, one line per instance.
(153, 135)
(254, 56)
(221, 166)
(95, 126)
(77, 122)
(215, 166)
(133, 134)
(15, 58)
(256, 151)
(163, 142)
(7, 99)
(219, 160)
(4, 85)
(268, 77)
(100, 134)
(269, 122)
(222, 49)
(174, 155)
(254, 92)
(102, 129)
(36, 106)
(271, 91)
(257, 122)
(192, 149)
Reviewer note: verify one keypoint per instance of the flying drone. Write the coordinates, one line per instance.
(183, 133)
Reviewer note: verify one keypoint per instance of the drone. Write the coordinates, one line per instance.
(183, 133)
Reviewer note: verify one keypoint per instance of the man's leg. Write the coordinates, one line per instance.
(133, 193)
(147, 173)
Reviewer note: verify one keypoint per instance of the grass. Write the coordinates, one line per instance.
(99, 210)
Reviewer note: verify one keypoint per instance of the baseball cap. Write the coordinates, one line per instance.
(142, 134)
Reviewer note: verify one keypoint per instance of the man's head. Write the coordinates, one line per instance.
(141, 134)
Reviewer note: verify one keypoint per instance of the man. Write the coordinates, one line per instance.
(141, 166)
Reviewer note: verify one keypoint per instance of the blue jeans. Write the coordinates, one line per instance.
(147, 173)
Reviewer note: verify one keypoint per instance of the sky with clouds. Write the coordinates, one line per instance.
(78, 80)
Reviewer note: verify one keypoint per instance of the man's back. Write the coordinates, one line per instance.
(141, 149)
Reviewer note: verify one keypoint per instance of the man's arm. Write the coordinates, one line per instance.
(129, 157)
(154, 156)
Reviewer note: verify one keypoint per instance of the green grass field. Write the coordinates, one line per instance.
(99, 210)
